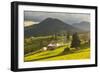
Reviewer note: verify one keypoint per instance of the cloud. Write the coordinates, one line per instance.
(29, 23)
(66, 17)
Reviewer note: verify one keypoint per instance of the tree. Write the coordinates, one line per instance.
(75, 41)
(68, 36)
(64, 38)
(55, 36)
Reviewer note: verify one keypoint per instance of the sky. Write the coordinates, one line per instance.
(70, 18)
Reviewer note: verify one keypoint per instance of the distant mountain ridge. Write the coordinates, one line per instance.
(82, 25)
(49, 26)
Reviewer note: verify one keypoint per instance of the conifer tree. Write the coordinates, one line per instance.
(75, 41)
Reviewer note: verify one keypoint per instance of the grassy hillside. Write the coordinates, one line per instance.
(59, 54)
(84, 54)
(33, 48)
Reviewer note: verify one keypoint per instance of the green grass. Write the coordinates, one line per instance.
(44, 54)
(59, 54)
(32, 50)
(83, 54)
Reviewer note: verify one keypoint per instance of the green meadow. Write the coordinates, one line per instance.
(33, 48)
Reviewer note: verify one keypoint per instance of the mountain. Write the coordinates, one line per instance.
(49, 26)
(82, 25)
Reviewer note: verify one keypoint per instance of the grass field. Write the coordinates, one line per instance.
(33, 48)
(59, 54)
(84, 54)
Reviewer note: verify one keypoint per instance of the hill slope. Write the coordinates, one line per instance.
(57, 55)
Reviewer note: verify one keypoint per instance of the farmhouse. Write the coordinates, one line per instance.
(51, 46)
